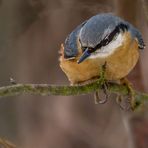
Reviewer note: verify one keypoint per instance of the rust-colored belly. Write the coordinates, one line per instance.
(119, 64)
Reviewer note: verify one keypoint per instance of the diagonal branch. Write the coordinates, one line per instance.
(6, 144)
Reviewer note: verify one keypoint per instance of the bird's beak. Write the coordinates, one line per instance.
(84, 56)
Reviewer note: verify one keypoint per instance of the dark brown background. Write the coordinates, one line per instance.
(31, 32)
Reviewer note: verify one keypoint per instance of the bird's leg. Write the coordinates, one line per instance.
(131, 94)
(104, 85)
(101, 79)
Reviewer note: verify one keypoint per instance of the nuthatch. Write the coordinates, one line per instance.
(103, 38)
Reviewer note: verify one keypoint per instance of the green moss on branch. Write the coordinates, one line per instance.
(45, 90)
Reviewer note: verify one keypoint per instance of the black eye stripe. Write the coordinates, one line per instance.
(108, 39)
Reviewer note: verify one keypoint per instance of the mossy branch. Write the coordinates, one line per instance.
(46, 89)
(64, 90)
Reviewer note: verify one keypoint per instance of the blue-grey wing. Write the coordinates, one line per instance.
(136, 34)
(70, 46)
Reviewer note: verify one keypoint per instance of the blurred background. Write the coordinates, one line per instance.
(31, 32)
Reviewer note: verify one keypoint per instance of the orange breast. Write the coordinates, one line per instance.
(119, 64)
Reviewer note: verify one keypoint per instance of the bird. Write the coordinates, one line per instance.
(103, 39)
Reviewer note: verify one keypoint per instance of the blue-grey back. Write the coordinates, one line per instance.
(97, 28)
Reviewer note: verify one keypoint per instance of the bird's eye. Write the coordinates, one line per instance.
(90, 49)
(105, 42)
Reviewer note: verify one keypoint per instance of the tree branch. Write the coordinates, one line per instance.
(45, 90)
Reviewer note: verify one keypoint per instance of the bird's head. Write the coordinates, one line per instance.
(99, 37)
(106, 46)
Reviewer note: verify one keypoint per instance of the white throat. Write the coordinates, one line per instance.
(109, 49)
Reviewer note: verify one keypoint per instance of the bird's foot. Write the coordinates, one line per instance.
(124, 102)
(101, 97)
(130, 99)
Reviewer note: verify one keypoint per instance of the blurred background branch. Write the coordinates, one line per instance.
(145, 8)
(6, 144)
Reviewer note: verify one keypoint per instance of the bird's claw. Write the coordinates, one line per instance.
(123, 102)
(100, 99)
(131, 93)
